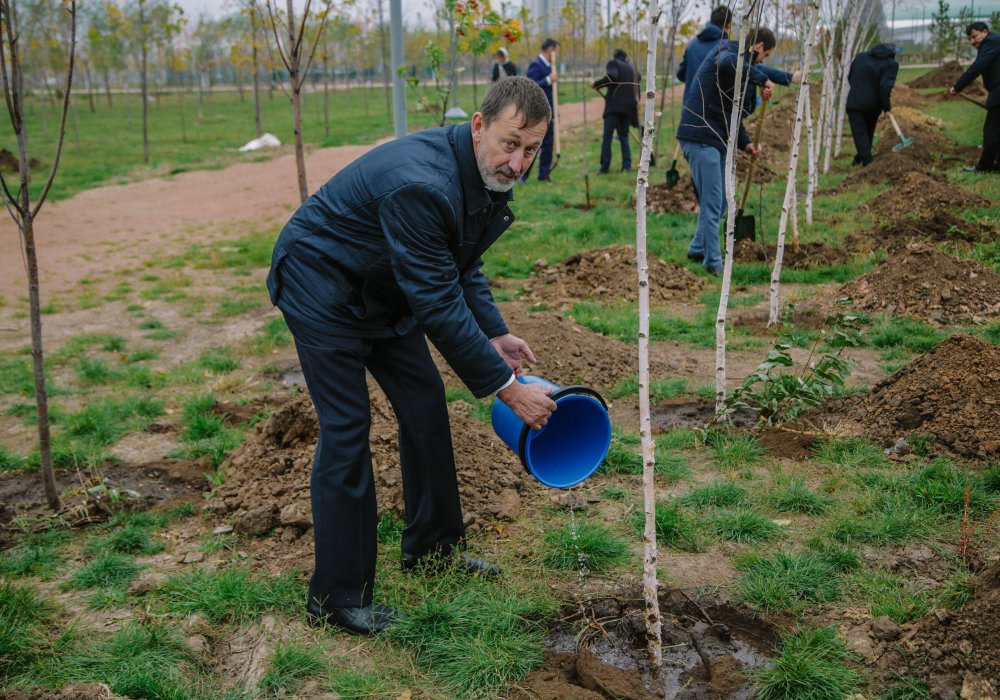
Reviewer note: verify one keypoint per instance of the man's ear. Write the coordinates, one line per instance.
(477, 126)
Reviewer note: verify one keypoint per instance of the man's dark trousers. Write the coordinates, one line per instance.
(342, 486)
(990, 158)
(862, 131)
(615, 123)
(544, 155)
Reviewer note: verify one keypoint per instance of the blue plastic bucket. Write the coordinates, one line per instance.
(570, 447)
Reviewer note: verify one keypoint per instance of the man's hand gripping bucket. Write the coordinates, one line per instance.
(570, 447)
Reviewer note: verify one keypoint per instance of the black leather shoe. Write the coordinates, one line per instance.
(694, 257)
(461, 563)
(367, 620)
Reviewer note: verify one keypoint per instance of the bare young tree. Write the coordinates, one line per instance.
(649, 557)
(24, 213)
(291, 41)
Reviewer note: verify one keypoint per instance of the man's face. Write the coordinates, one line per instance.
(976, 37)
(760, 53)
(504, 148)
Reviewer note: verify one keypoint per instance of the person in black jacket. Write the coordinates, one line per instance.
(503, 66)
(621, 108)
(987, 64)
(872, 77)
(387, 252)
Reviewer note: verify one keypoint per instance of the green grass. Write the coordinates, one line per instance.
(274, 334)
(941, 486)
(107, 570)
(237, 307)
(903, 332)
(390, 529)
(476, 639)
(659, 389)
(890, 595)
(233, 594)
(736, 451)
(583, 545)
(791, 495)
(35, 554)
(104, 421)
(745, 525)
(894, 523)
(624, 455)
(815, 664)
(17, 377)
(204, 433)
(23, 617)
(217, 361)
(788, 581)
(131, 538)
(677, 439)
(851, 453)
(716, 494)
(674, 527)
(289, 666)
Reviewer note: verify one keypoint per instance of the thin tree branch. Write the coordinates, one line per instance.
(65, 110)
(324, 18)
(274, 22)
(13, 208)
(301, 34)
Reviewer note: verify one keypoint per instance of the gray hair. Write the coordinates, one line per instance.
(524, 94)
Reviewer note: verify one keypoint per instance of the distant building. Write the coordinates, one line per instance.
(547, 16)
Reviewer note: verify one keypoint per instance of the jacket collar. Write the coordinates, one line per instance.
(476, 196)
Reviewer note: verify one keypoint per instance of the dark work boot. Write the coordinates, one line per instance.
(367, 620)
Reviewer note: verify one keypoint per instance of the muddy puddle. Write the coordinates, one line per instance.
(711, 649)
(684, 413)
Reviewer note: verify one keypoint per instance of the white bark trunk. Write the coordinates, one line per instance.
(793, 163)
(847, 56)
(811, 156)
(649, 559)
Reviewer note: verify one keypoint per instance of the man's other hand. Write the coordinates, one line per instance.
(512, 349)
(797, 77)
(767, 90)
(753, 149)
(529, 402)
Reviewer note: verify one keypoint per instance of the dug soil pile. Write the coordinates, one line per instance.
(567, 352)
(812, 254)
(711, 649)
(609, 274)
(944, 76)
(905, 96)
(923, 282)
(976, 91)
(267, 478)
(951, 394)
(679, 200)
(918, 194)
(888, 166)
(953, 651)
(939, 227)
(930, 143)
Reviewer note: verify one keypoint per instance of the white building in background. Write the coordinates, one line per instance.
(547, 15)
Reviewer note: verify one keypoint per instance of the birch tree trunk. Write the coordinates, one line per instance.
(811, 157)
(649, 585)
(730, 176)
(793, 163)
(847, 56)
(258, 121)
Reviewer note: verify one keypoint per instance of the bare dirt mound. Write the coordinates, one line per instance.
(904, 95)
(954, 652)
(923, 282)
(918, 194)
(681, 199)
(569, 353)
(711, 648)
(944, 76)
(609, 274)
(940, 227)
(812, 254)
(950, 394)
(267, 478)
(887, 166)
(930, 144)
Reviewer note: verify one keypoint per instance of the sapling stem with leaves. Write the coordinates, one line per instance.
(649, 558)
(793, 163)
(24, 213)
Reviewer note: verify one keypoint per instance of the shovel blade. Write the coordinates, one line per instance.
(673, 177)
(902, 144)
(746, 227)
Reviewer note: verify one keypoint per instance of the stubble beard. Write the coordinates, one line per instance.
(490, 178)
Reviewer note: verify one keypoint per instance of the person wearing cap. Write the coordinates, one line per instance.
(502, 66)
(987, 64)
(382, 259)
(543, 71)
(871, 78)
(621, 107)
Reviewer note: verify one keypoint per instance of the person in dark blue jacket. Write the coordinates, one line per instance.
(987, 64)
(703, 132)
(872, 77)
(543, 72)
(387, 252)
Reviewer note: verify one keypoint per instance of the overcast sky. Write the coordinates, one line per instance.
(217, 8)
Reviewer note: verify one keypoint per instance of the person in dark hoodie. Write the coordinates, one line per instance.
(384, 257)
(987, 64)
(872, 77)
(703, 132)
(620, 107)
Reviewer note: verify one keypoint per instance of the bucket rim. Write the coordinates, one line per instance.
(522, 441)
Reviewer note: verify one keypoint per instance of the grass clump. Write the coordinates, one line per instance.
(941, 486)
(889, 595)
(793, 496)
(217, 361)
(204, 434)
(890, 520)
(584, 546)
(233, 594)
(288, 667)
(745, 525)
(474, 640)
(674, 527)
(36, 554)
(813, 666)
(851, 453)
(734, 451)
(717, 494)
(624, 455)
(788, 580)
(678, 439)
(109, 570)
(23, 615)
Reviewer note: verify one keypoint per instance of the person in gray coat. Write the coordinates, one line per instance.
(872, 77)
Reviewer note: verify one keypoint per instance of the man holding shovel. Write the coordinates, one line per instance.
(872, 77)
(703, 132)
(543, 72)
(987, 64)
(385, 256)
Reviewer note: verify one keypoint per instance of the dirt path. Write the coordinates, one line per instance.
(102, 230)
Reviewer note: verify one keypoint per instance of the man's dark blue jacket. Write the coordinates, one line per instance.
(872, 77)
(708, 103)
(987, 64)
(395, 239)
(709, 39)
(539, 72)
